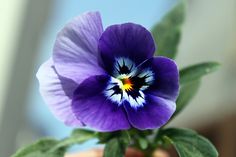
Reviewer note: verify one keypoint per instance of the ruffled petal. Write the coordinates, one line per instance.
(154, 114)
(75, 52)
(166, 81)
(57, 93)
(127, 40)
(94, 109)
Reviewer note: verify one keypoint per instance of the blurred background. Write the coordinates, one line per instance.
(28, 29)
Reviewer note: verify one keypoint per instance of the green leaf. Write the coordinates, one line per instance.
(53, 148)
(195, 72)
(78, 136)
(190, 83)
(117, 144)
(115, 148)
(167, 33)
(143, 143)
(187, 92)
(188, 143)
(104, 137)
(40, 149)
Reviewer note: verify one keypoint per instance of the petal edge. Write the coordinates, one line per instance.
(75, 52)
(57, 93)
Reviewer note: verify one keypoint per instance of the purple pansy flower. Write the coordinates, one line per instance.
(108, 80)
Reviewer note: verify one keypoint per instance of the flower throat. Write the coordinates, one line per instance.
(128, 83)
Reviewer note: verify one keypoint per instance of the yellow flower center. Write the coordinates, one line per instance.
(127, 84)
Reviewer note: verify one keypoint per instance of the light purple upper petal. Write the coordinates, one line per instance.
(166, 81)
(94, 109)
(75, 52)
(128, 41)
(57, 93)
(154, 114)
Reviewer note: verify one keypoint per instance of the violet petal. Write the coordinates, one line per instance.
(94, 109)
(75, 52)
(57, 93)
(127, 40)
(166, 81)
(154, 114)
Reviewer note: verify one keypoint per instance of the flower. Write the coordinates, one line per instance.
(108, 80)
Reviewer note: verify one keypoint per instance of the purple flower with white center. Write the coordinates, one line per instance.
(108, 80)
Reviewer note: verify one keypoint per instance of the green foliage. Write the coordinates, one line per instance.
(187, 92)
(40, 149)
(78, 136)
(188, 143)
(106, 136)
(143, 143)
(54, 148)
(116, 146)
(167, 33)
(190, 78)
(195, 72)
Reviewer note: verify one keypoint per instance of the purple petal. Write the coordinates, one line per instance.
(166, 82)
(75, 52)
(94, 109)
(155, 113)
(126, 40)
(57, 93)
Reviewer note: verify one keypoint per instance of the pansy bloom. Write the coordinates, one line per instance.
(108, 80)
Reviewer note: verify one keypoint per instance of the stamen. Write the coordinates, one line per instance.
(128, 83)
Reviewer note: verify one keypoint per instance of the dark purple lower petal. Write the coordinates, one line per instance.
(166, 82)
(155, 113)
(127, 40)
(94, 109)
